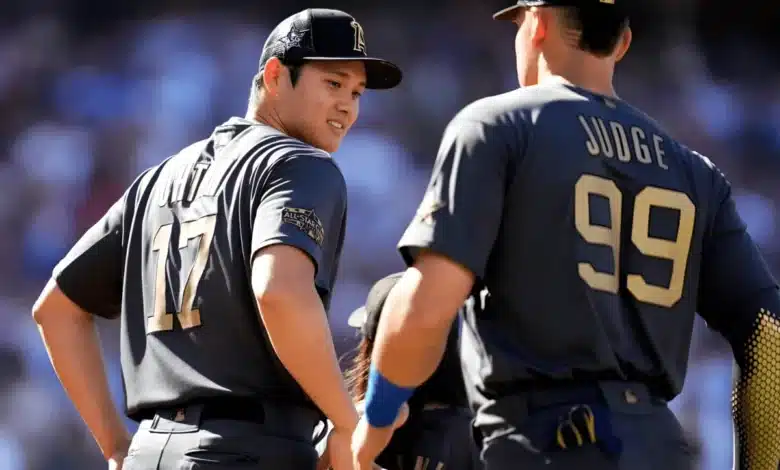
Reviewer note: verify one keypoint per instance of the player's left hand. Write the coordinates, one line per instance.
(368, 442)
(117, 458)
(337, 455)
(116, 461)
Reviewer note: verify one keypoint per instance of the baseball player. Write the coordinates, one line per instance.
(438, 431)
(220, 263)
(588, 238)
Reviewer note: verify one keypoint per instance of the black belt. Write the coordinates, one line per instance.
(239, 409)
(547, 394)
(295, 420)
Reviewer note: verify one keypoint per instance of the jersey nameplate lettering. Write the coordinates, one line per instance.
(611, 139)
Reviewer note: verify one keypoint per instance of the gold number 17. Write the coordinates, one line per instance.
(202, 228)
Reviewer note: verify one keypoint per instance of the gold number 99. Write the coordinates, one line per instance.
(676, 250)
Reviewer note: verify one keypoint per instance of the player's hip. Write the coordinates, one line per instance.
(199, 436)
(600, 425)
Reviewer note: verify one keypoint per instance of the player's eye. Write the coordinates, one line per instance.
(334, 84)
(357, 94)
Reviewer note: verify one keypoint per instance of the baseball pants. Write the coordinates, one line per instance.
(618, 426)
(187, 439)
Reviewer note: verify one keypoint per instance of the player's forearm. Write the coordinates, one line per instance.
(412, 335)
(298, 329)
(74, 351)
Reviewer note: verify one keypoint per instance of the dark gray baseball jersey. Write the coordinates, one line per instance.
(174, 255)
(588, 229)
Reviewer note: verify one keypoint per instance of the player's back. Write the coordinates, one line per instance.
(190, 320)
(595, 267)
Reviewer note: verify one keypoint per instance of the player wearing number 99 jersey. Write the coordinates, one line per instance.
(589, 238)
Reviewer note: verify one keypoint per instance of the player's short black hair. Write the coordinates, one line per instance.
(597, 28)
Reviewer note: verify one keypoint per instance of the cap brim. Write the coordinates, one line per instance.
(380, 74)
(506, 13)
(357, 318)
(510, 12)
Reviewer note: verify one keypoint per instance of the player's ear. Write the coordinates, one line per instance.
(624, 44)
(539, 24)
(273, 73)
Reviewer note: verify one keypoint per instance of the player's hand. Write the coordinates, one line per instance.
(116, 461)
(337, 455)
(368, 442)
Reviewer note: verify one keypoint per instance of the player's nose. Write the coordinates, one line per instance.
(348, 109)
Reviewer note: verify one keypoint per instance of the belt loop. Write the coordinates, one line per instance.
(155, 421)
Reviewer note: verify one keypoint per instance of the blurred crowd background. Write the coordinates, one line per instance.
(92, 92)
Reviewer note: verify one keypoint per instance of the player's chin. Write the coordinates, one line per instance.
(330, 143)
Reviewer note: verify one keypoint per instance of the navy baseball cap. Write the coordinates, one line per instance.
(323, 34)
(509, 13)
(366, 318)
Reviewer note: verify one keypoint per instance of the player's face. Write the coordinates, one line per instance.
(325, 102)
(526, 54)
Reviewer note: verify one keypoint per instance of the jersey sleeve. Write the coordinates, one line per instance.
(739, 298)
(734, 274)
(90, 274)
(460, 213)
(302, 203)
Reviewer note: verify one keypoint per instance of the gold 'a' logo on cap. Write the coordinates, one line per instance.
(360, 40)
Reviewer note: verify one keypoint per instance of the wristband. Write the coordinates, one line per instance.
(383, 399)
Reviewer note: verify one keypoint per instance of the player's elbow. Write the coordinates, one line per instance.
(54, 306)
(280, 275)
(40, 311)
(433, 318)
(419, 307)
(273, 297)
(434, 289)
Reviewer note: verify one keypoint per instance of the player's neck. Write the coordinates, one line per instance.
(265, 114)
(593, 77)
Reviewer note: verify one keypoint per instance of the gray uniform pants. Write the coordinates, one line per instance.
(520, 432)
(181, 440)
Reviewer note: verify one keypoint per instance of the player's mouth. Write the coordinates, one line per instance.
(336, 125)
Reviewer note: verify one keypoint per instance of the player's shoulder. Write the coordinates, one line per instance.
(500, 109)
(495, 118)
(520, 101)
(516, 108)
(699, 158)
(702, 165)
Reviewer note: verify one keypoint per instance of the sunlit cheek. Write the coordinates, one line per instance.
(355, 113)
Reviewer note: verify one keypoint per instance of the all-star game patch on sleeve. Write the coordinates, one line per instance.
(303, 204)
(306, 221)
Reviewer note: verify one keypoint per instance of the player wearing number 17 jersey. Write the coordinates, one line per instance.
(221, 263)
(588, 238)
